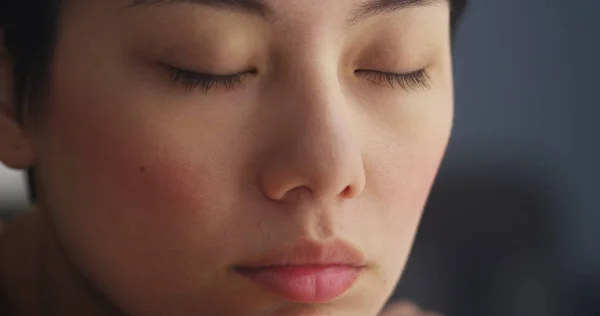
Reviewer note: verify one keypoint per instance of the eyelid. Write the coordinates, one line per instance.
(206, 81)
(415, 80)
(208, 73)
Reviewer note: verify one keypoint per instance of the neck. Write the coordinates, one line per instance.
(19, 266)
(49, 284)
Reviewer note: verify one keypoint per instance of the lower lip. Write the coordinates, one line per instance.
(305, 284)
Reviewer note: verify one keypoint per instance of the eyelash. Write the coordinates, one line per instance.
(415, 80)
(192, 80)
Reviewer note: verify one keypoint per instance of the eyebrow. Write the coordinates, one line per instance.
(250, 6)
(259, 7)
(379, 7)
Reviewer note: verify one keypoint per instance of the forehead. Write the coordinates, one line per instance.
(352, 11)
(307, 19)
(359, 8)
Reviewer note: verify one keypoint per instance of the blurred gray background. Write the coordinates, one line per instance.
(512, 225)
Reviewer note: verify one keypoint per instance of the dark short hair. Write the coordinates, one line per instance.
(30, 28)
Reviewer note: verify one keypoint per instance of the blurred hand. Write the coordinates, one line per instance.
(406, 308)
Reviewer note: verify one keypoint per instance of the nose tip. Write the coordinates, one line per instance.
(282, 188)
(293, 190)
(315, 171)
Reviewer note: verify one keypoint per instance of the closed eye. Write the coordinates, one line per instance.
(194, 80)
(411, 81)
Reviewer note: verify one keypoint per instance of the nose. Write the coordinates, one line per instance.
(317, 149)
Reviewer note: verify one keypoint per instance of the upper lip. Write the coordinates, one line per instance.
(309, 253)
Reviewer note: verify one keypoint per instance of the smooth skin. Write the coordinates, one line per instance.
(152, 189)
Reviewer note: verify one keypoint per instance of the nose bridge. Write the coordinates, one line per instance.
(319, 151)
(324, 136)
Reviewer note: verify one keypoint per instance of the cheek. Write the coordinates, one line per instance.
(107, 158)
(105, 142)
(404, 160)
(402, 169)
(404, 187)
(105, 153)
(113, 177)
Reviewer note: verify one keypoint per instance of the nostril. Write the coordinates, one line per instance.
(348, 192)
(294, 195)
(351, 191)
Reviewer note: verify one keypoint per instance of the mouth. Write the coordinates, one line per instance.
(308, 272)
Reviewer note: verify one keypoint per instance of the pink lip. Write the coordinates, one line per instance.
(308, 272)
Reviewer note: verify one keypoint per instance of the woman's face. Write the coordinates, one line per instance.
(204, 157)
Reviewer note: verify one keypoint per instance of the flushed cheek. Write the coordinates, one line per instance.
(401, 180)
(115, 145)
(134, 203)
(124, 166)
(403, 187)
(154, 178)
